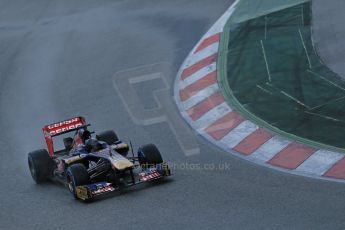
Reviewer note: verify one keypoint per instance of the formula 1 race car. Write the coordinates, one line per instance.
(93, 166)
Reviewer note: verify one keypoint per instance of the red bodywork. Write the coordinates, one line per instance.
(59, 128)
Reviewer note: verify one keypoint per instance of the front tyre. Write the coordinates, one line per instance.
(149, 155)
(41, 165)
(76, 175)
(108, 137)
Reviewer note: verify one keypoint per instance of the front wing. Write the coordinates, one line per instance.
(86, 192)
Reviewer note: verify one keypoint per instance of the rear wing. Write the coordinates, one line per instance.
(65, 126)
(59, 128)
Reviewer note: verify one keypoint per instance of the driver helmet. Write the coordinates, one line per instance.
(84, 134)
(93, 145)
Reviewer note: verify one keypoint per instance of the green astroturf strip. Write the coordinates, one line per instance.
(269, 71)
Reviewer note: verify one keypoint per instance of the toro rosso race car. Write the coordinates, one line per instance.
(93, 166)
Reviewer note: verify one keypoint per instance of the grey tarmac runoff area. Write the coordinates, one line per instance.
(329, 31)
(63, 58)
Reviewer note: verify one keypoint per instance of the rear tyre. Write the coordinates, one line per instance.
(108, 137)
(76, 175)
(149, 155)
(41, 165)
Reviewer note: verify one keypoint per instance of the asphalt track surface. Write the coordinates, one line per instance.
(329, 34)
(58, 59)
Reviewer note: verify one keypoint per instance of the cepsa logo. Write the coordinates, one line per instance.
(64, 126)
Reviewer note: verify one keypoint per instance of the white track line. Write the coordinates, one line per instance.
(265, 27)
(268, 150)
(305, 48)
(265, 58)
(148, 77)
(200, 96)
(302, 14)
(294, 99)
(324, 117)
(197, 75)
(263, 89)
(330, 82)
(319, 162)
(329, 102)
(238, 134)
